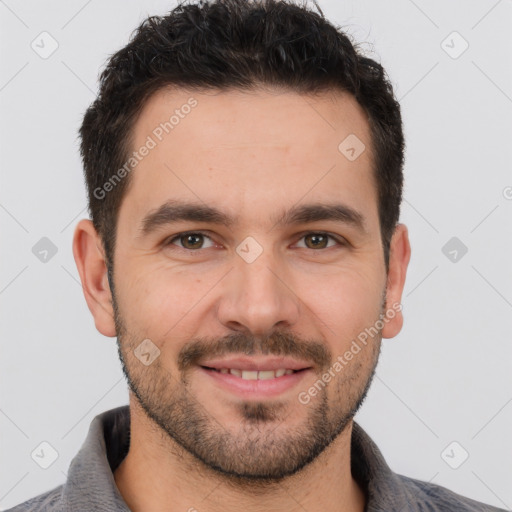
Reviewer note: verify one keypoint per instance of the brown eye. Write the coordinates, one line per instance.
(319, 240)
(189, 241)
(316, 240)
(193, 241)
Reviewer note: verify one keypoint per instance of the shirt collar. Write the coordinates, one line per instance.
(384, 489)
(90, 483)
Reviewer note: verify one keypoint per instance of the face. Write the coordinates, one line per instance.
(276, 267)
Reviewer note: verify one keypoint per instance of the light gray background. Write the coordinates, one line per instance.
(445, 378)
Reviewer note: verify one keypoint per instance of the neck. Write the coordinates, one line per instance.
(158, 475)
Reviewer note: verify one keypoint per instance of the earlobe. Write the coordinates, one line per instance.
(399, 256)
(90, 261)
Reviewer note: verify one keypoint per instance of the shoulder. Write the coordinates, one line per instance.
(435, 498)
(49, 501)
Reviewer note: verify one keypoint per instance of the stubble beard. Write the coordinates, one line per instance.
(263, 449)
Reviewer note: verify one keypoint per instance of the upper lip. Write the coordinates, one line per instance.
(256, 363)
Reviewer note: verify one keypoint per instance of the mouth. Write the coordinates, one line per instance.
(252, 378)
(255, 374)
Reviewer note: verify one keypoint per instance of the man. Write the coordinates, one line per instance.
(244, 171)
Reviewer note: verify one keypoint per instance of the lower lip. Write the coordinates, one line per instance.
(256, 388)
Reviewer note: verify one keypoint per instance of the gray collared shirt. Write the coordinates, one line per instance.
(91, 486)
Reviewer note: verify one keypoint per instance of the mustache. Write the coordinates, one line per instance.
(278, 343)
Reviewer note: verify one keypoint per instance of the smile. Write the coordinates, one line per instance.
(254, 375)
(252, 384)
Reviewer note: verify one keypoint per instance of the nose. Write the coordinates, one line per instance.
(259, 296)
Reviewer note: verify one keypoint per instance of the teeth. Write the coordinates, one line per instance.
(249, 375)
(265, 374)
(256, 375)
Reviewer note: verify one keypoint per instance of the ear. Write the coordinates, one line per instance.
(91, 263)
(399, 256)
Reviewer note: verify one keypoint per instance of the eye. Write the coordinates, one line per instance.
(318, 240)
(191, 240)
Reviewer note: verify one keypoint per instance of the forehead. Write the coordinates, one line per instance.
(250, 153)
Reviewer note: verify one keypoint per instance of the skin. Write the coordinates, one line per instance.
(195, 445)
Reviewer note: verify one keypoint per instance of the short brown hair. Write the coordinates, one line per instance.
(241, 44)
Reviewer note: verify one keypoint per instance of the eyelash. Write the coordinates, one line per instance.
(169, 241)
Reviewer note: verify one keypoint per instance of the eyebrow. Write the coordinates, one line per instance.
(176, 210)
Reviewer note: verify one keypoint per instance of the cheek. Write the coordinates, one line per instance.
(345, 304)
(161, 302)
